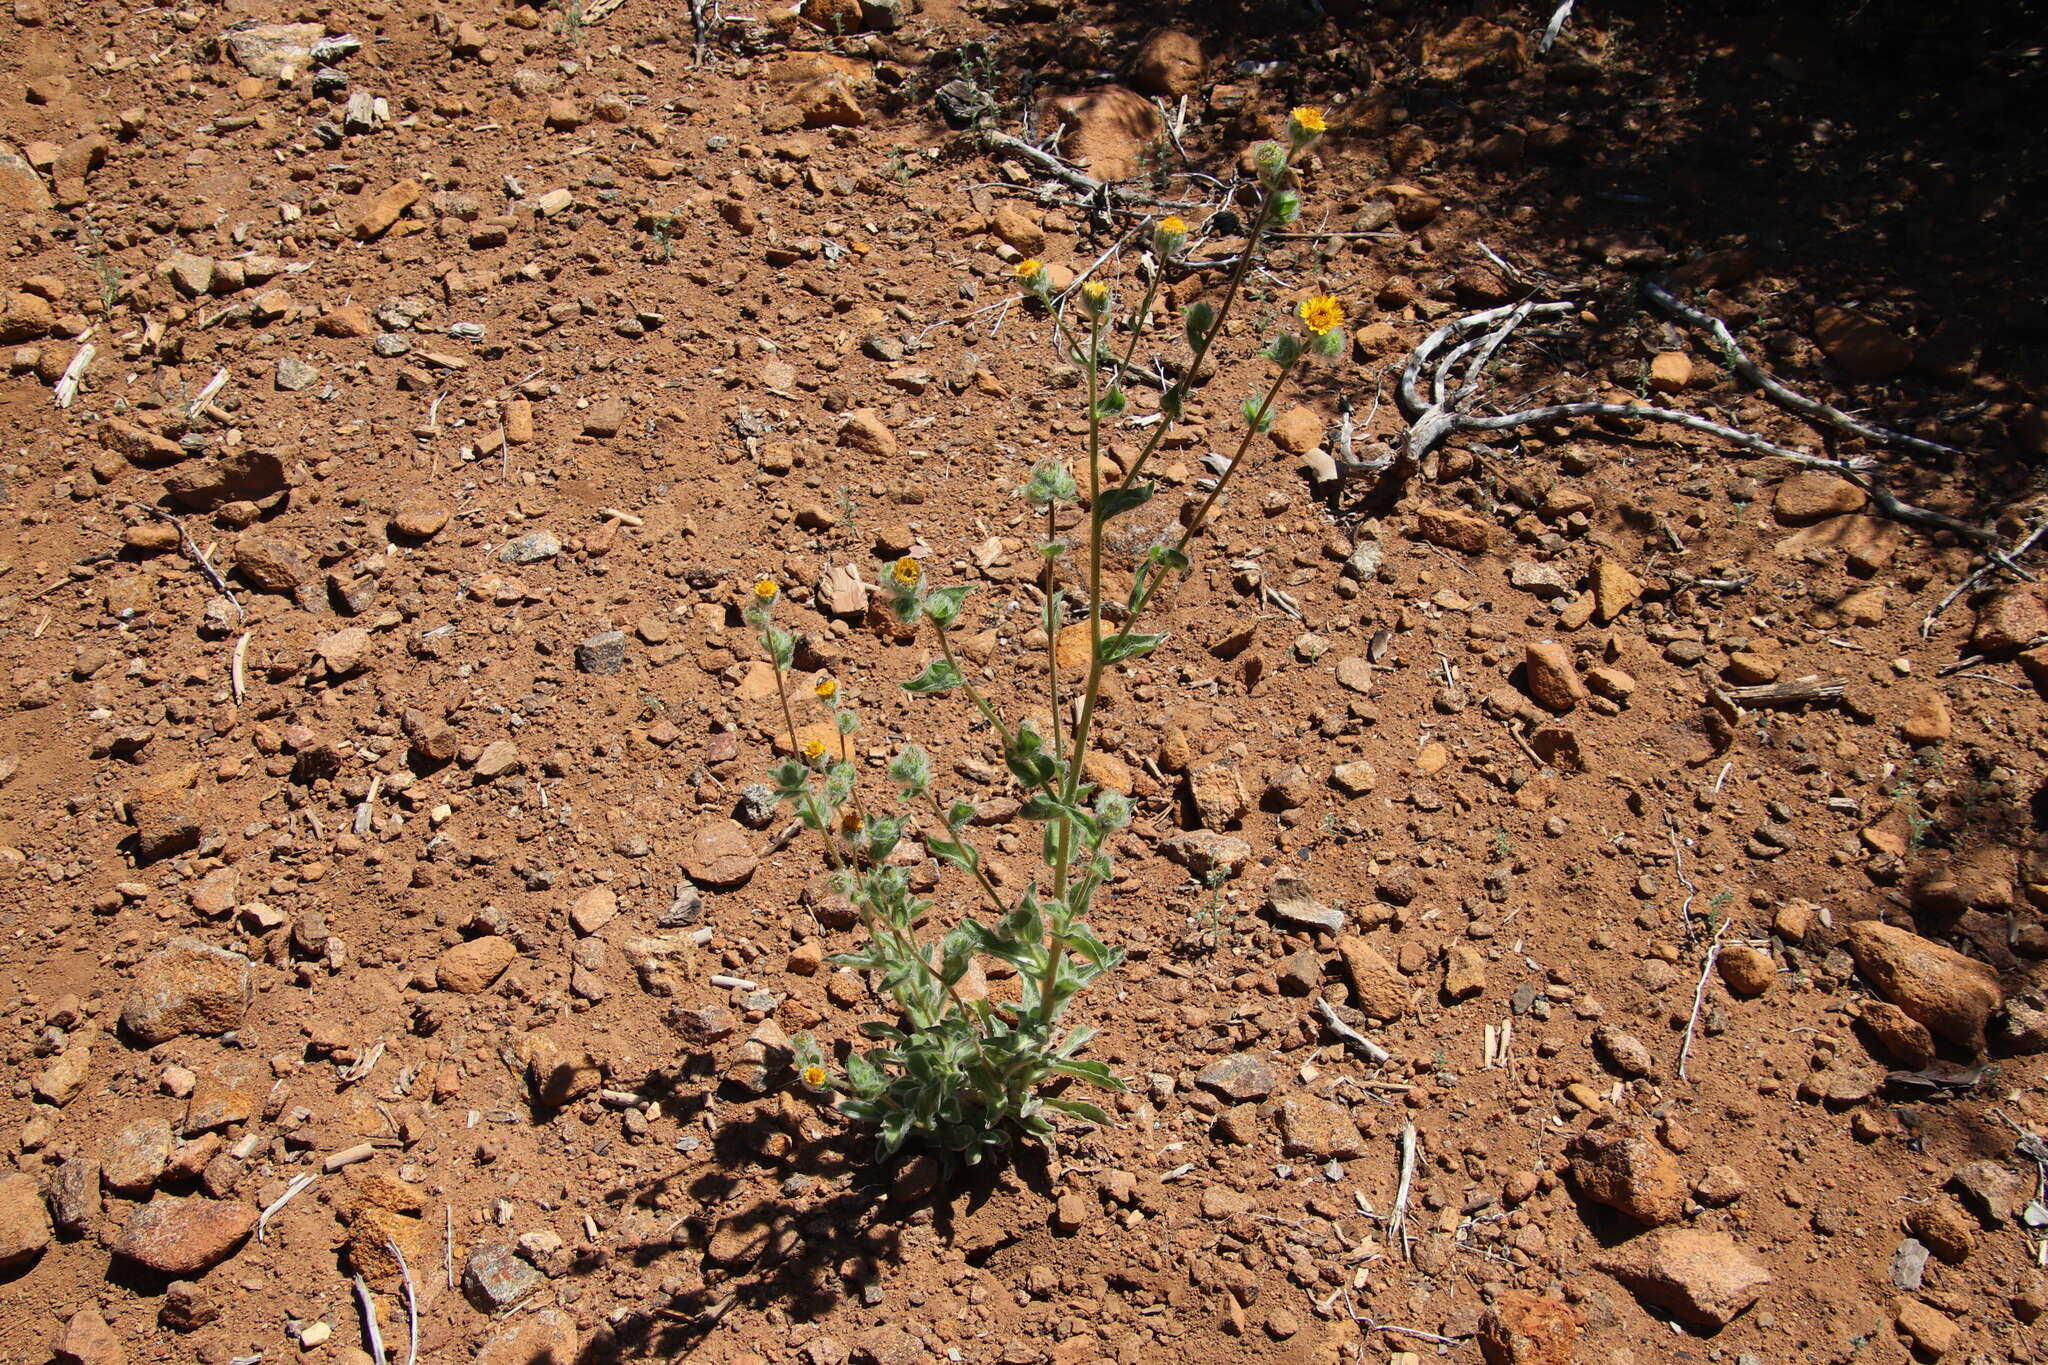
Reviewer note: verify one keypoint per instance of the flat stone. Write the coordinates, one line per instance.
(1864, 347)
(1291, 902)
(1700, 1277)
(419, 520)
(133, 1159)
(1353, 779)
(593, 910)
(494, 1278)
(1995, 1192)
(1242, 1078)
(1542, 581)
(531, 548)
(24, 1222)
(185, 1237)
(548, 1337)
(499, 757)
(475, 965)
(187, 986)
(1206, 853)
(1813, 494)
(272, 51)
(719, 856)
(602, 653)
(1318, 1129)
(87, 1340)
(1615, 589)
(1453, 530)
(1464, 972)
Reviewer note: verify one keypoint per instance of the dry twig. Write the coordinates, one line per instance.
(1699, 996)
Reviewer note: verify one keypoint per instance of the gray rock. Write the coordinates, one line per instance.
(1364, 563)
(273, 50)
(757, 805)
(530, 548)
(604, 652)
(1291, 903)
(295, 375)
(1241, 1079)
(1995, 1193)
(495, 1278)
(1909, 1265)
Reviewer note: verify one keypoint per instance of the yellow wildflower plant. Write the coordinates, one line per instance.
(1321, 312)
(907, 571)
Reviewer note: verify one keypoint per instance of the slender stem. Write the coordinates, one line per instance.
(1052, 661)
(796, 751)
(1253, 428)
(1200, 519)
(988, 887)
(981, 703)
(1238, 271)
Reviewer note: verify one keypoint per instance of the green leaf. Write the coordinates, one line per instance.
(1111, 404)
(940, 675)
(1258, 414)
(958, 814)
(1117, 648)
(1079, 1109)
(943, 605)
(1197, 319)
(1115, 502)
(959, 853)
(911, 770)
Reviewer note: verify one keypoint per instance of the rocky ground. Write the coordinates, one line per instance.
(404, 396)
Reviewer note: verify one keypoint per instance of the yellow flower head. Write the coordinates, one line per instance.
(814, 1075)
(826, 688)
(1321, 312)
(1307, 119)
(1173, 222)
(1096, 290)
(814, 748)
(1030, 268)
(767, 589)
(906, 571)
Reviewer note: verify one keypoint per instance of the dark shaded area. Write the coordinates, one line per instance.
(802, 1251)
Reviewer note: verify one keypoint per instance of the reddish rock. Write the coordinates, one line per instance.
(1522, 1328)
(475, 966)
(185, 1237)
(1552, 678)
(1902, 1037)
(1108, 129)
(1864, 347)
(24, 1222)
(1702, 1278)
(1628, 1172)
(1951, 994)
(545, 1338)
(187, 986)
(87, 1340)
(1746, 970)
(719, 856)
(2012, 620)
(1377, 990)
(1169, 63)
(1813, 494)
(1453, 530)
